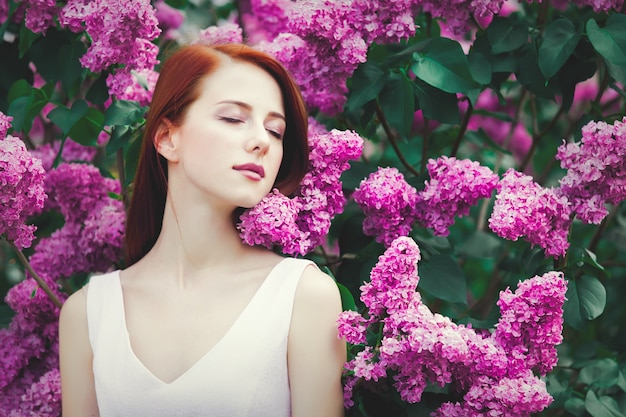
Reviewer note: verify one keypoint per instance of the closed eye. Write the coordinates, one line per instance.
(277, 135)
(231, 120)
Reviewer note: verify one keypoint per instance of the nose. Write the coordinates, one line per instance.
(259, 140)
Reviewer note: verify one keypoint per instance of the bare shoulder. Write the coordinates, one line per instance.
(74, 310)
(315, 285)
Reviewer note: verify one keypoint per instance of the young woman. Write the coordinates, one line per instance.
(199, 324)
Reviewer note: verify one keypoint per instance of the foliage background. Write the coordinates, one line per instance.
(504, 92)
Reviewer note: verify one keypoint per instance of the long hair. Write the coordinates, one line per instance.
(179, 85)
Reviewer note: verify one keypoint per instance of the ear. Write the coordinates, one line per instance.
(166, 140)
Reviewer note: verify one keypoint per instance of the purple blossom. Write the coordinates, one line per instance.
(300, 224)
(72, 152)
(40, 14)
(120, 32)
(226, 33)
(596, 169)
(21, 191)
(4, 12)
(531, 321)
(525, 209)
(5, 125)
(455, 185)
(419, 346)
(43, 398)
(388, 202)
(351, 327)
(134, 85)
(169, 18)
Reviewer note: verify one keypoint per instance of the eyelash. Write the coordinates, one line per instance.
(232, 120)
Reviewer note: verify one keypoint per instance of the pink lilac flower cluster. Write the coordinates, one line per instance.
(458, 14)
(417, 347)
(454, 186)
(169, 18)
(42, 399)
(226, 33)
(388, 203)
(39, 15)
(5, 125)
(596, 169)
(92, 237)
(523, 208)
(21, 191)
(598, 5)
(265, 19)
(531, 321)
(300, 224)
(134, 85)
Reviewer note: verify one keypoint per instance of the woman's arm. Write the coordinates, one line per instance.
(316, 354)
(78, 395)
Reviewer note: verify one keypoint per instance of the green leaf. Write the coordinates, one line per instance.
(26, 37)
(25, 103)
(610, 43)
(559, 41)
(621, 379)
(480, 68)
(507, 34)
(396, 100)
(123, 112)
(120, 136)
(87, 129)
(347, 300)
(480, 245)
(20, 88)
(358, 171)
(98, 92)
(442, 277)
(442, 64)
(66, 118)
(601, 373)
(435, 103)
(591, 296)
(604, 406)
(529, 74)
(571, 307)
(575, 406)
(366, 82)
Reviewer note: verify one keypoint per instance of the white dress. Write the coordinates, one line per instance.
(244, 374)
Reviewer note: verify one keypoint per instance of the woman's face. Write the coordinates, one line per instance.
(229, 147)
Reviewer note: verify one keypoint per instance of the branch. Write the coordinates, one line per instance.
(537, 136)
(392, 141)
(602, 228)
(42, 284)
(463, 128)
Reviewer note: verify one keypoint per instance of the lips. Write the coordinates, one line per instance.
(255, 169)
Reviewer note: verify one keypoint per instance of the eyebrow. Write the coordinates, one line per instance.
(249, 107)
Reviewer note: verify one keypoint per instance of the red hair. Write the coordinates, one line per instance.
(179, 85)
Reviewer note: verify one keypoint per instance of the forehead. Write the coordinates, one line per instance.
(243, 82)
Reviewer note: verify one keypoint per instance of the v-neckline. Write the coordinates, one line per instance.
(197, 363)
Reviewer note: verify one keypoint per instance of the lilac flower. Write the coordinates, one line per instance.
(4, 14)
(21, 191)
(388, 202)
(120, 32)
(271, 222)
(455, 185)
(5, 125)
(531, 321)
(135, 85)
(226, 33)
(300, 224)
(40, 14)
(525, 209)
(169, 18)
(42, 399)
(351, 327)
(596, 168)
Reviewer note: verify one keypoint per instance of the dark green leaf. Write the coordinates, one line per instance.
(18, 109)
(571, 308)
(20, 88)
(123, 112)
(610, 43)
(66, 118)
(601, 373)
(435, 103)
(621, 379)
(442, 277)
(358, 171)
(601, 407)
(366, 82)
(559, 41)
(480, 68)
(72, 73)
(347, 300)
(396, 101)
(529, 74)
(507, 34)
(481, 245)
(98, 93)
(87, 129)
(131, 159)
(120, 136)
(575, 406)
(26, 38)
(443, 64)
(591, 296)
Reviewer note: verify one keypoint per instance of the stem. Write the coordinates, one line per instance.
(425, 143)
(392, 141)
(42, 284)
(463, 128)
(537, 136)
(602, 228)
